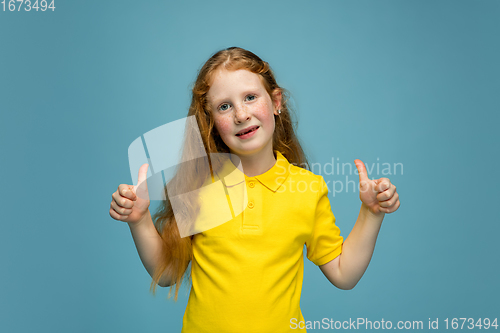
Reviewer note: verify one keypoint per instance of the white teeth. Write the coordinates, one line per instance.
(253, 129)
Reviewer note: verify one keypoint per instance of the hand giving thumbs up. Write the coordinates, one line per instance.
(130, 203)
(379, 195)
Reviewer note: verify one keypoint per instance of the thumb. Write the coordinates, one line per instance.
(363, 176)
(141, 189)
(143, 174)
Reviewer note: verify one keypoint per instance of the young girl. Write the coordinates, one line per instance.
(247, 273)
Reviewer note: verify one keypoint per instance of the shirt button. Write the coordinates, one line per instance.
(251, 184)
(250, 205)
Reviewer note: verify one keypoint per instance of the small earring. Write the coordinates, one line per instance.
(279, 111)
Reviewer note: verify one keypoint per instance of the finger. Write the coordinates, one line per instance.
(127, 191)
(387, 194)
(115, 215)
(122, 201)
(382, 184)
(389, 203)
(391, 209)
(384, 210)
(363, 176)
(120, 210)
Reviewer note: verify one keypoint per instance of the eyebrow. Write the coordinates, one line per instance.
(252, 90)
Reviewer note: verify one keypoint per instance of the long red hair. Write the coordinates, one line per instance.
(178, 251)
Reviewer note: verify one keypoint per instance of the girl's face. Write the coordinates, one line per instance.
(240, 104)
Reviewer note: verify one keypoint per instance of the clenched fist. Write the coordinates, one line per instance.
(130, 203)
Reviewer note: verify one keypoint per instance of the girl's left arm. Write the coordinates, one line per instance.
(378, 197)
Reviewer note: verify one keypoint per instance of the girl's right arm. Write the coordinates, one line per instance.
(149, 245)
(131, 204)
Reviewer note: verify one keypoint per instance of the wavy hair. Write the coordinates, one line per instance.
(177, 252)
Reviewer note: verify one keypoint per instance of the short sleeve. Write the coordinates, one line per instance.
(325, 242)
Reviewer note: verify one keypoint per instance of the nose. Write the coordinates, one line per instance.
(241, 114)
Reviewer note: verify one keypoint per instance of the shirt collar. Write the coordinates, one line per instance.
(272, 178)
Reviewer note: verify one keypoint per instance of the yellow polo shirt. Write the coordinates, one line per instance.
(247, 273)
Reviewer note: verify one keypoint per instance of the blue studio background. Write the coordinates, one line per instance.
(409, 82)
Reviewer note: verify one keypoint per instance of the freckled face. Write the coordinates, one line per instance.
(239, 101)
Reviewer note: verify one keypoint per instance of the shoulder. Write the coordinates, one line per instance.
(304, 174)
(307, 182)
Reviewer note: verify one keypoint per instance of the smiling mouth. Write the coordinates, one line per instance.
(254, 129)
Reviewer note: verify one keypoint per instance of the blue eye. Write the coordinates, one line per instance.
(223, 107)
(252, 97)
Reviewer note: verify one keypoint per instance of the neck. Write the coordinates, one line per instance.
(257, 164)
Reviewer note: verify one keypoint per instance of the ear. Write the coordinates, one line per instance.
(277, 100)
